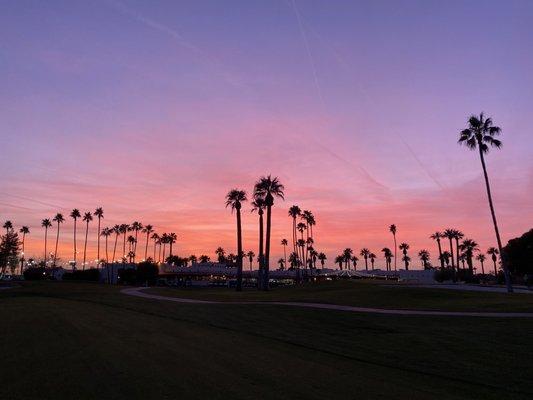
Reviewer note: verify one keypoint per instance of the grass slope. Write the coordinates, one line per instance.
(83, 341)
(369, 294)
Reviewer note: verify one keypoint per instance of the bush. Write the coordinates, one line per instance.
(92, 275)
(442, 275)
(35, 274)
(128, 276)
(147, 272)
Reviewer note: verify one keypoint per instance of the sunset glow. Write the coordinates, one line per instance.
(155, 113)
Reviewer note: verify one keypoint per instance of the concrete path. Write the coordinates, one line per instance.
(138, 291)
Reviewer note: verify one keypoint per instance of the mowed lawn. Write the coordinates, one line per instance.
(378, 294)
(88, 341)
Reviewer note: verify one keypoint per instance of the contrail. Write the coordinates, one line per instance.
(308, 49)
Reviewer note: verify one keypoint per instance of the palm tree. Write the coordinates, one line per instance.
(462, 258)
(59, 219)
(322, 257)
(131, 246)
(45, 223)
(424, 257)
(116, 231)
(314, 255)
(294, 212)
(250, 256)
(87, 217)
(437, 236)
(307, 217)
(301, 227)
(124, 230)
(393, 230)
(457, 235)
(449, 234)
(468, 246)
(365, 253)
(293, 260)
(75, 214)
(25, 231)
(221, 254)
(106, 232)
(172, 237)
(493, 252)
(372, 257)
(281, 263)
(387, 253)
(268, 188)
(258, 204)
(204, 258)
(301, 244)
(155, 237)
(148, 229)
(446, 255)
(99, 213)
(339, 260)
(163, 240)
(354, 260)
(481, 134)
(8, 226)
(234, 199)
(284, 243)
(347, 253)
(404, 247)
(193, 259)
(481, 258)
(136, 227)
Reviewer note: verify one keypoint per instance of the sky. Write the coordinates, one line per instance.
(154, 110)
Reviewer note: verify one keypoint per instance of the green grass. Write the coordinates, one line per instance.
(84, 341)
(368, 294)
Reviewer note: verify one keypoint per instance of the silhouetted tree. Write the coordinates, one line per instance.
(148, 229)
(45, 223)
(234, 199)
(393, 230)
(25, 231)
(365, 253)
(87, 217)
(404, 247)
(493, 252)
(98, 213)
(424, 257)
(322, 257)
(75, 214)
(59, 219)
(437, 236)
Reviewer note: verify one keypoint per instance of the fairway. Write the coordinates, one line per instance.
(89, 341)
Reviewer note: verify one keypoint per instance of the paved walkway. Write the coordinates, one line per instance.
(138, 291)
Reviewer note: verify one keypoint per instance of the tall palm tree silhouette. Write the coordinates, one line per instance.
(387, 253)
(468, 246)
(294, 212)
(25, 231)
(365, 253)
(46, 223)
(281, 263)
(268, 188)
(480, 134)
(354, 260)
(322, 257)
(8, 226)
(424, 257)
(284, 243)
(221, 254)
(75, 214)
(99, 213)
(106, 232)
(124, 230)
(372, 257)
(171, 238)
(204, 258)
(457, 235)
(87, 217)
(404, 247)
(155, 237)
(131, 246)
(347, 253)
(481, 258)
(116, 231)
(193, 259)
(148, 229)
(135, 227)
(393, 230)
(59, 219)
(437, 236)
(339, 260)
(163, 242)
(258, 204)
(493, 252)
(250, 256)
(449, 234)
(301, 227)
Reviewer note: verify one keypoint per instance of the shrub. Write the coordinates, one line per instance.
(92, 275)
(147, 272)
(442, 275)
(35, 274)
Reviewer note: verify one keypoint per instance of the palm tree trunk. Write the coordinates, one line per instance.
(503, 256)
(395, 248)
(285, 254)
(85, 246)
(495, 270)
(267, 247)
(451, 255)
(482, 268)
(124, 247)
(23, 254)
(106, 253)
(45, 245)
(261, 255)
(75, 251)
(155, 249)
(98, 239)
(440, 254)
(146, 249)
(457, 252)
(57, 241)
(115, 247)
(239, 251)
(135, 246)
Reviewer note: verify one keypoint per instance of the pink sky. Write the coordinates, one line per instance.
(154, 113)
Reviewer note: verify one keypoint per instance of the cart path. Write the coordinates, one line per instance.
(138, 291)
